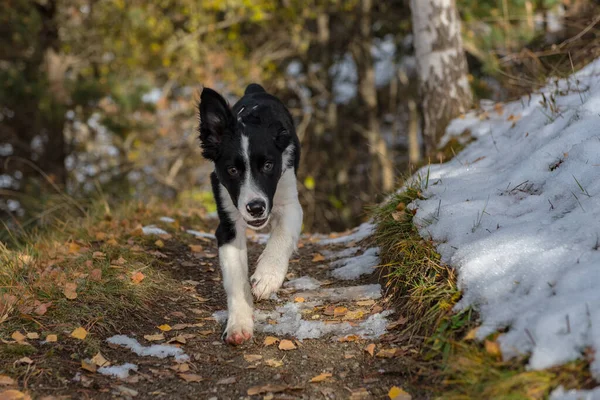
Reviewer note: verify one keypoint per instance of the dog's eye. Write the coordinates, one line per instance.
(268, 166)
(232, 171)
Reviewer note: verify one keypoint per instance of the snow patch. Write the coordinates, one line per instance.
(517, 213)
(153, 230)
(362, 232)
(156, 350)
(353, 268)
(118, 371)
(303, 283)
(168, 220)
(345, 253)
(561, 394)
(201, 234)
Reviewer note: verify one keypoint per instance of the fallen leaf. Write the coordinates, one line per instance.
(252, 357)
(159, 243)
(24, 360)
(100, 361)
(88, 365)
(121, 261)
(360, 394)
(178, 339)
(18, 336)
(339, 311)
(397, 393)
(269, 340)
(100, 235)
(321, 377)
(180, 367)
(492, 347)
(164, 327)
(14, 395)
(400, 206)
(79, 333)
(96, 275)
(254, 390)
(349, 338)
(318, 257)
(73, 248)
(137, 277)
(271, 362)
(51, 338)
(299, 299)
(353, 315)
(98, 255)
(178, 327)
(191, 377)
(387, 353)
(471, 334)
(70, 290)
(287, 345)
(370, 349)
(112, 242)
(42, 308)
(227, 381)
(6, 380)
(33, 335)
(196, 248)
(398, 215)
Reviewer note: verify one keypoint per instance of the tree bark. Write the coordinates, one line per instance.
(442, 67)
(383, 171)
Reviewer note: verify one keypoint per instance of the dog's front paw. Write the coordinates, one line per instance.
(265, 282)
(239, 329)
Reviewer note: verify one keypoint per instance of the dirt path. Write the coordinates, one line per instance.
(343, 323)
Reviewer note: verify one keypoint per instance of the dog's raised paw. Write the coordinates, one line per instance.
(238, 331)
(265, 284)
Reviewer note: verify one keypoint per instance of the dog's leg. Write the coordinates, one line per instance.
(287, 222)
(233, 257)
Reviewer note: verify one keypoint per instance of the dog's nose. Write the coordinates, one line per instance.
(256, 207)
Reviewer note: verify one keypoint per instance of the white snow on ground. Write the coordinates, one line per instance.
(345, 253)
(201, 234)
(354, 267)
(303, 283)
(118, 371)
(168, 220)
(156, 350)
(517, 213)
(361, 232)
(153, 230)
(561, 394)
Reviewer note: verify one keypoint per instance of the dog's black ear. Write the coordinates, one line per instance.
(216, 121)
(254, 88)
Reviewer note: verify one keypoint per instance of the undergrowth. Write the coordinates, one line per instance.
(424, 289)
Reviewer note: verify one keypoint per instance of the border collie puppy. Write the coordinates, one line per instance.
(255, 152)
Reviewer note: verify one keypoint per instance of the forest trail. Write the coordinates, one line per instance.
(323, 336)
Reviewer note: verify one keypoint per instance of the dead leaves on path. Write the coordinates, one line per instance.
(321, 377)
(191, 377)
(12, 394)
(79, 333)
(270, 388)
(287, 345)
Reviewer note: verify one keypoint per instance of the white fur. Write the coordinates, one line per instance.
(249, 190)
(233, 258)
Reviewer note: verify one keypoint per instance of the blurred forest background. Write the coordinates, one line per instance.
(98, 97)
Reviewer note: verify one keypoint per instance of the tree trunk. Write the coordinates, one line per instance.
(383, 171)
(441, 65)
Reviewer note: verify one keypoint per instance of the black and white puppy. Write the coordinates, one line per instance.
(255, 152)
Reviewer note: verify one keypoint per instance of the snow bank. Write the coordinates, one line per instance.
(562, 394)
(517, 213)
(153, 230)
(156, 350)
(303, 283)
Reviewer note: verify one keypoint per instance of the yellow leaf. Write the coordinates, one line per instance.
(397, 393)
(18, 336)
(180, 367)
(159, 243)
(370, 349)
(252, 357)
(387, 353)
(88, 365)
(70, 290)
(339, 311)
(349, 338)
(492, 347)
(196, 248)
(309, 183)
(318, 257)
(165, 327)
(51, 338)
(33, 335)
(271, 362)
(471, 334)
(14, 395)
(99, 360)
(79, 333)
(137, 277)
(100, 235)
(352, 315)
(321, 377)
(299, 299)
(73, 248)
(287, 345)
(269, 340)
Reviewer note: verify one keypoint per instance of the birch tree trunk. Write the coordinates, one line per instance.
(441, 65)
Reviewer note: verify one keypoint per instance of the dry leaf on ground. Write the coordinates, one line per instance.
(154, 338)
(196, 248)
(397, 393)
(88, 365)
(492, 347)
(191, 377)
(165, 327)
(70, 290)
(271, 362)
(6, 380)
(252, 357)
(100, 361)
(471, 334)
(79, 333)
(18, 337)
(137, 277)
(321, 377)
(254, 390)
(318, 257)
(287, 345)
(227, 381)
(33, 335)
(370, 349)
(14, 395)
(269, 340)
(51, 338)
(387, 353)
